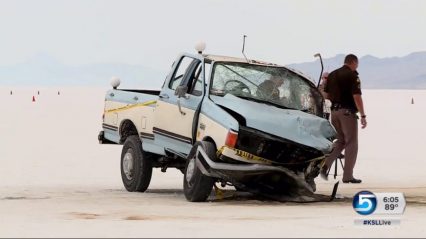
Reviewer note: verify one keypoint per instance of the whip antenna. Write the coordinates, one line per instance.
(322, 68)
(244, 43)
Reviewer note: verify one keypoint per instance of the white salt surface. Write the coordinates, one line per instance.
(57, 181)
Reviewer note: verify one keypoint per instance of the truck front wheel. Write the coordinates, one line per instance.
(196, 186)
(136, 166)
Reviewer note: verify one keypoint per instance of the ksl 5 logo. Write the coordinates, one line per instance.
(364, 203)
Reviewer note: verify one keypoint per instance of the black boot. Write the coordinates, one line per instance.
(354, 180)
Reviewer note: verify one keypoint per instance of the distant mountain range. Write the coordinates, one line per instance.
(44, 70)
(408, 72)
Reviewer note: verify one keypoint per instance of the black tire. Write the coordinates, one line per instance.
(198, 187)
(137, 177)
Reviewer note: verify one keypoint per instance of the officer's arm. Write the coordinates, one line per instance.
(324, 93)
(359, 104)
(356, 92)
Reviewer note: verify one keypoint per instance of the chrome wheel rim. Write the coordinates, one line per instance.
(128, 163)
(190, 170)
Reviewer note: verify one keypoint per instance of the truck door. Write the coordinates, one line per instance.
(174, 116)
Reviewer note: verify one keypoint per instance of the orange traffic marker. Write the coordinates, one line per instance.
(33, 99)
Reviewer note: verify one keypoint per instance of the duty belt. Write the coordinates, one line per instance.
(337, 106)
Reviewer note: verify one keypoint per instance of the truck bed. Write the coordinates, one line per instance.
(134, 106)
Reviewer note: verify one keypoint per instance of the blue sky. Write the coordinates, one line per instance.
(152, 33)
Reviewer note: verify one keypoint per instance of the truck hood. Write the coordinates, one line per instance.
(294, 125)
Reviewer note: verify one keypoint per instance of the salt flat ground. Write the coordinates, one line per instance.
(57, 181)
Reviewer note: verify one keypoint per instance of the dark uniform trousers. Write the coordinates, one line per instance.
(346, 124)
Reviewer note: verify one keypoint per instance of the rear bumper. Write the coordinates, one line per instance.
(102, 139)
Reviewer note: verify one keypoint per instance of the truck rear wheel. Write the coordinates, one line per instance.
(196, 186)
(136, 166)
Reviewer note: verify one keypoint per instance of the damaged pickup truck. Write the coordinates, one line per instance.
(253, 125)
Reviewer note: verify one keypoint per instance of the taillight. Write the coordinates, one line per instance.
(231, 138)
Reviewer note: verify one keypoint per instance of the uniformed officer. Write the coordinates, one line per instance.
(344, 91)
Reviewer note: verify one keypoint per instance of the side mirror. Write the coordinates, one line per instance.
(115, 82)
(181, 91)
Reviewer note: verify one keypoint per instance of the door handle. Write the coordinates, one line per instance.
(135, 98)
(164, 96)
(111, 94)
(180, 109)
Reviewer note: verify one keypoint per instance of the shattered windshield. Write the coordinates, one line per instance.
(267, 84)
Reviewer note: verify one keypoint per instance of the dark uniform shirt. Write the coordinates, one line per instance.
(342, 84)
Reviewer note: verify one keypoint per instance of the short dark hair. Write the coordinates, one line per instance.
(350, 58)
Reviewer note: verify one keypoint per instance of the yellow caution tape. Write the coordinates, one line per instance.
(131, 106)
(246, 155)
(218, 192)
(256, 159)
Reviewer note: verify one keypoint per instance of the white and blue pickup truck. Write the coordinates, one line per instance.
(254, 125)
